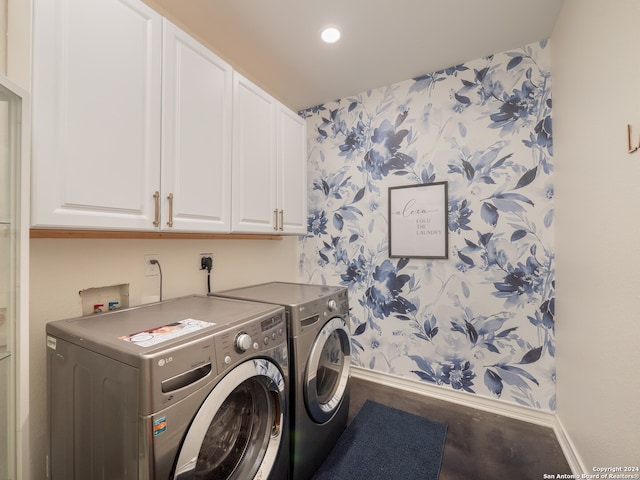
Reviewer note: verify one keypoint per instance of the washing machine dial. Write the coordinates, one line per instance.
(332, 305)
(243, 342)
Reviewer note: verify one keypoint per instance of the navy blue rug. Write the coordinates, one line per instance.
(383, 443)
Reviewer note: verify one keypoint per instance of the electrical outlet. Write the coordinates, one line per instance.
(151, 269)
(204, 256)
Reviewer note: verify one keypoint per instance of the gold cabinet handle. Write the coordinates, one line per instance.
(275, 220)
(156, 199)
(170, 198)
(281, 220)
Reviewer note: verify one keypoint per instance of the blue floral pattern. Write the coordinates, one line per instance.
(482, 321)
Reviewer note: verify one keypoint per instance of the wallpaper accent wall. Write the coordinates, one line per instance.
(481, 321)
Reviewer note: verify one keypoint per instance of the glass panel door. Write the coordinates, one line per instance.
(10, 122)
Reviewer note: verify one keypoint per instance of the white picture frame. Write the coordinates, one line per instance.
(418, 221)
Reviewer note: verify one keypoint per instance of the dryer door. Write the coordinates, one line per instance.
(328, 369)
(238, 431)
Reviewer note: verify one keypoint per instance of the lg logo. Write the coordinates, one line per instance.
(163, 361)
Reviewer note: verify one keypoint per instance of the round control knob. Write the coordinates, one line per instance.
(332, 305)
(243, 342)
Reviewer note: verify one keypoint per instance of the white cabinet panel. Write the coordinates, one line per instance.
(97, 83)
(269, 164)
(254, 159)
(292, 171)
(196, 136)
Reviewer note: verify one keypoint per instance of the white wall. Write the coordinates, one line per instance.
(595, 95)
(61, 268)
(18, 55)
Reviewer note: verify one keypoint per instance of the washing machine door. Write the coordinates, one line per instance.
(328, 368)
(238, 431)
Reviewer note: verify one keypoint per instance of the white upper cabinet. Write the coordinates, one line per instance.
(254, 158)
(269, 163)
(96, 93)
(138, 126)
(292, 172)
(196, 136)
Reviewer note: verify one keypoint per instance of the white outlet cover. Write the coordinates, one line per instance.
(151, 269)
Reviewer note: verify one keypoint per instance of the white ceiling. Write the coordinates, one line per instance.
(276, 43)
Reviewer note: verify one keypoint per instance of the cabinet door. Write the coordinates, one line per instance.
(97, 83)
(196, 136)
(254, 159)
(292, 172)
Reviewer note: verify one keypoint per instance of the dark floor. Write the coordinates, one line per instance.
(479, 445)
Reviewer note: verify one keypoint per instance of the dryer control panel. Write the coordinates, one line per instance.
(306, 316)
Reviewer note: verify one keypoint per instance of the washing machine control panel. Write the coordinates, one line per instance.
(250, 338)
(243, 342)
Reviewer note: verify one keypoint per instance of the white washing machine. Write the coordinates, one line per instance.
(320, 353)
(190, 388)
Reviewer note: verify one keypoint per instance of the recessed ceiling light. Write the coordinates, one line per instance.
(330, 35)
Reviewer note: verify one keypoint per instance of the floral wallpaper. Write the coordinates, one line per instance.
(481, 321)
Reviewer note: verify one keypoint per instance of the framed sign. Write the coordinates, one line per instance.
(418, 223)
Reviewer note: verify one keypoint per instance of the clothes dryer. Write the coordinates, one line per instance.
(320, 352)
(191, 388)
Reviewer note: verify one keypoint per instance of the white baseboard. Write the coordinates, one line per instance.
(517, 412)
(570, 452)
